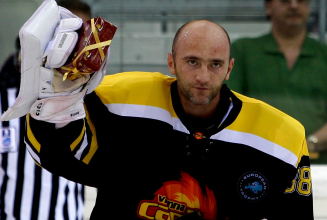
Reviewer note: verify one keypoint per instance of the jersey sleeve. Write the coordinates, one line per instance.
(69, 151)
(298, 196)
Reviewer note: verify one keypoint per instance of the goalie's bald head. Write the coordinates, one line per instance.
(196, 26)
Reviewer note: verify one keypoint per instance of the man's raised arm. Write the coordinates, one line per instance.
(62, 60)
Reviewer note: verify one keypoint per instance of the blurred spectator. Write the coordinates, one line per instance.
(288, 70)
(78, 8)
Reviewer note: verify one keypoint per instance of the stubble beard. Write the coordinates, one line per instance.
(300, 24)
(200, 99)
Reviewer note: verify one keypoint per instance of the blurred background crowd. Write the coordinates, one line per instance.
(146, 27)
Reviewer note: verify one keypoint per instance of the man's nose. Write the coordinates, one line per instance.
(203, 75)
(294, 4)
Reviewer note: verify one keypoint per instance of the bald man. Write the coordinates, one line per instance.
(184, 147)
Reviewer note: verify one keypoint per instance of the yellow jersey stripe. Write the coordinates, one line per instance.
(30, 135)
(94, 142)
(150, 87)
(256, 115)
(94, 148)
(78, 140)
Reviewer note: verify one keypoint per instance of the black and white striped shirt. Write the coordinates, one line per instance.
(28, 192)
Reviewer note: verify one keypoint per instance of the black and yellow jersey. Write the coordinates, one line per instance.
(151, 161)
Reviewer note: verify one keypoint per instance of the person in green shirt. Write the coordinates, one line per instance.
(288, 70)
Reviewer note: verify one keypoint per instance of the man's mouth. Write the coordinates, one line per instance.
(201, 88)
(293, 16)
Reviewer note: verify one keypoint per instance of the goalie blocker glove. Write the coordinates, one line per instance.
(43, 92)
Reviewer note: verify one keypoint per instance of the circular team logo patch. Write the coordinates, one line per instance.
(252, 186)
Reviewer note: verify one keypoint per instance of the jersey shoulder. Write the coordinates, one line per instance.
(265, 121)
(139, 88)
(272, 116)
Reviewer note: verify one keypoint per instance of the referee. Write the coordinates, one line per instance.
(28, 192)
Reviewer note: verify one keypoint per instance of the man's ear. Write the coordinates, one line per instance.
(230, 67)
(171, 63)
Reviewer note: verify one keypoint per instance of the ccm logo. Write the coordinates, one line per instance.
(74, 114)
(38, 109)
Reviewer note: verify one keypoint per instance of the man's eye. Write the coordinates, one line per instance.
(216, 65)
(192, 62)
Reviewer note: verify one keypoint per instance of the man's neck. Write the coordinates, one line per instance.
(289, 37)
(290, 42)
(199, 111)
